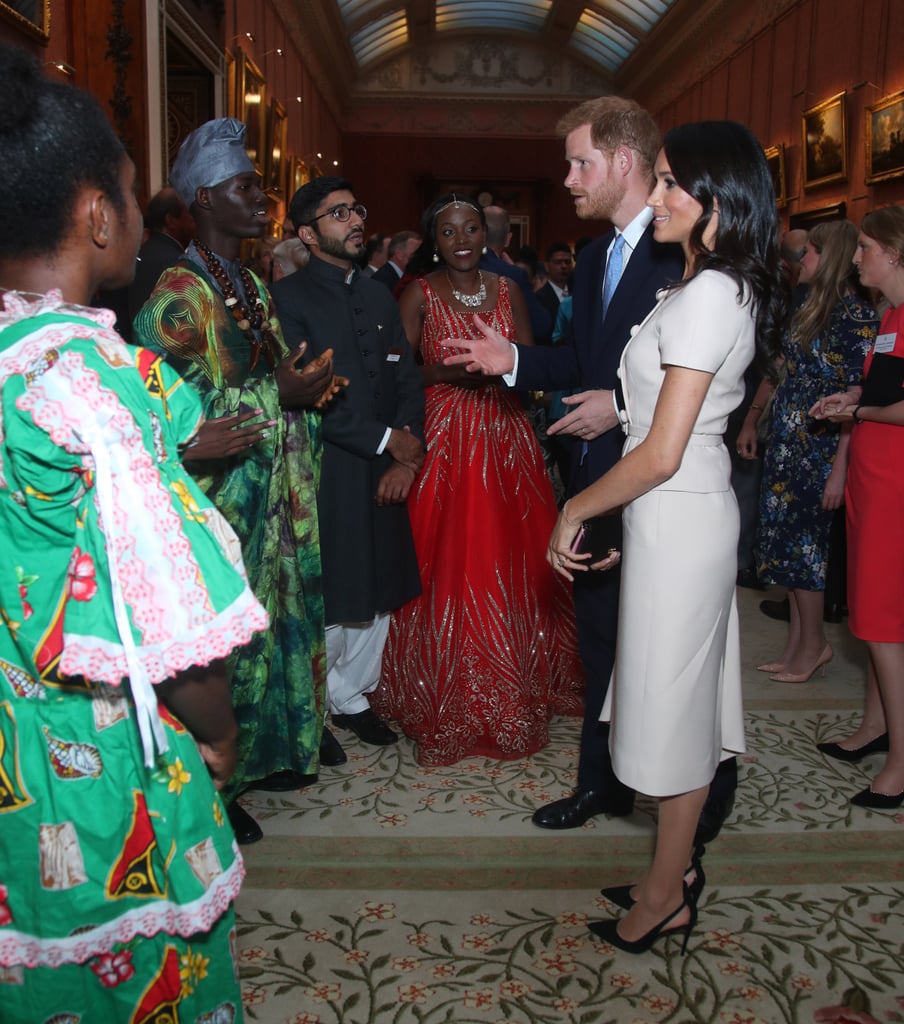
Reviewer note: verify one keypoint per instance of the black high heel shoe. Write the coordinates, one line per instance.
(877, 746)
(621, 896)
(608, 930)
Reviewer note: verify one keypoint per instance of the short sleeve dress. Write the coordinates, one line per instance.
(118, 866)
(675, 703)
(793, 541)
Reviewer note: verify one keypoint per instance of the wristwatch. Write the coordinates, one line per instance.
(855, 414)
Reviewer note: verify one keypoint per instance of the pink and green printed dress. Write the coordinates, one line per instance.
(118, 868)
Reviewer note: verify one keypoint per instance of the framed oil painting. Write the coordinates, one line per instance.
(298, 176)
(775, 158)
(885, 139)
(277, 136)
(31, 16)
(250, 99)
(824, 143)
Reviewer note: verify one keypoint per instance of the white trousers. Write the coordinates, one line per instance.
(354, 654)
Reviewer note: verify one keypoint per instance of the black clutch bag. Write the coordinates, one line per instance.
(884, 384)
(600, 536)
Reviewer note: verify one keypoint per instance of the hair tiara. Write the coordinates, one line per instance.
(457, 202)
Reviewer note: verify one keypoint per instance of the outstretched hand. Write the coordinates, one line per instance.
(491, 353)
(224, 436)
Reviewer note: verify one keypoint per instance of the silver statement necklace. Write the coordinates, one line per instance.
(471, 301)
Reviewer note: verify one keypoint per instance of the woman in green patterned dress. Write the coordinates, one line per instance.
(120, 586)
(211, 318)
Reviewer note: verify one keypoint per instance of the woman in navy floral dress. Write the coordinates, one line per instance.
(806, 460)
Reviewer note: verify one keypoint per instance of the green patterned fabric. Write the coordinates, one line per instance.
(268, 496)
(114, 846)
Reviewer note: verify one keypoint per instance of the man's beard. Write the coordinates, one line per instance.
(340, 249)
(603, 202)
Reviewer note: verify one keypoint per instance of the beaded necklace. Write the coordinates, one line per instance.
(248, 317)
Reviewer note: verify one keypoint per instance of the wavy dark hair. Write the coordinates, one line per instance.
(723, 161)
(303, 205)
(422, 261)
(55, 140)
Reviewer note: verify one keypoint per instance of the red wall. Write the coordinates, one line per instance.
(396, 177)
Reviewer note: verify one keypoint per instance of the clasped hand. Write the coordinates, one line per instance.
(837, 408)
(313, 386)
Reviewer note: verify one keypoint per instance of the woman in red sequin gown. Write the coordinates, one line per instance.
(480, 661)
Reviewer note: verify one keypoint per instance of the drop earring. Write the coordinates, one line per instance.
(484, 251)
(435, 256)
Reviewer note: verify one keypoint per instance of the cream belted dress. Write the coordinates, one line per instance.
(675, 699)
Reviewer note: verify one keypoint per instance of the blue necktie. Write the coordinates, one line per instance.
(614, 267)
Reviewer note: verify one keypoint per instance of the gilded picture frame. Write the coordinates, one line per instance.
(31, 16)
(298, 176)
(885, 139)
(277, 140)
(250, 108)
(824, 142)
(775, 160)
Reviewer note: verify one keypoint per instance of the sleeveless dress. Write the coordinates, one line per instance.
(118, 866)
(874, 500)
(794, 528)
(480, 661)
(675, 700)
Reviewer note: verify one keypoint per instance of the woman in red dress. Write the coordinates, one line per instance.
(478, 663)
(875, 510)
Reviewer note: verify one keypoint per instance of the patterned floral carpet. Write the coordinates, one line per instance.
(387, 893)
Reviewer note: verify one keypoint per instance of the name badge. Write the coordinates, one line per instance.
(885, 342)
(393, 357)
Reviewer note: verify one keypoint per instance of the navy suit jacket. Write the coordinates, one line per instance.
(590, 358)
(541, 323)
(548, 299)
(386, 275)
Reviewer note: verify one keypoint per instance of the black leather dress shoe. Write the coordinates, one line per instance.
(779, 610)
(331, 752)
(368, 728)
(282, 782)
(834, 613)
(712, 818)
(246, 829)
(748, 578)
(584, 804)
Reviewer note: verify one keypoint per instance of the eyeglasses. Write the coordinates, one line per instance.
(343, 212)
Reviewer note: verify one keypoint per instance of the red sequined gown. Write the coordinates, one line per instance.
(479, 663)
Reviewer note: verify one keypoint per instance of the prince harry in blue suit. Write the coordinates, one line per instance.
(610, 146)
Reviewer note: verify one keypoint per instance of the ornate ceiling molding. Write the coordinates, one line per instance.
(482, 67)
